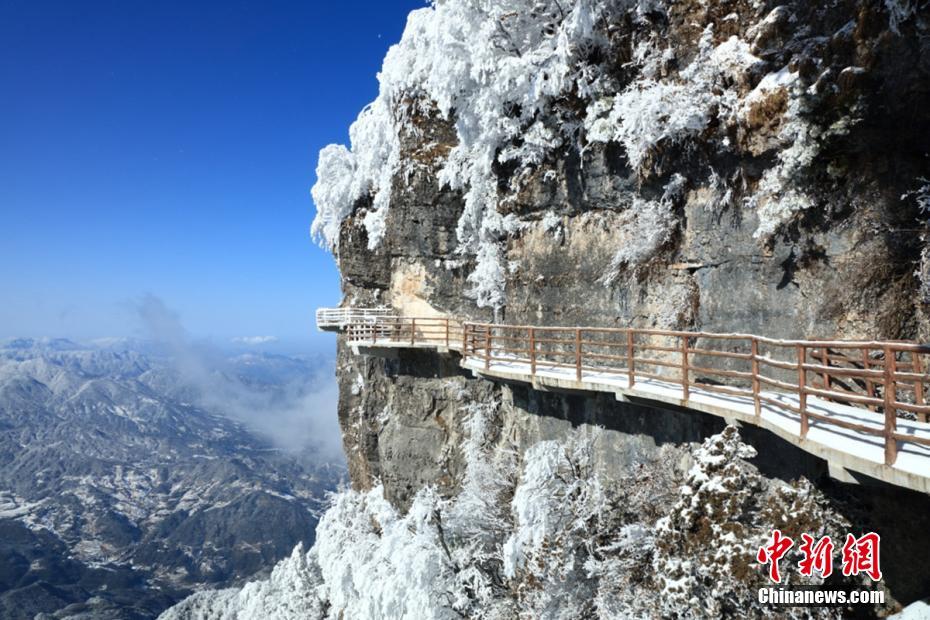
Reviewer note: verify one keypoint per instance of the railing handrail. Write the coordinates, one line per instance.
(341, 317)
(638, 357)
(899, 345)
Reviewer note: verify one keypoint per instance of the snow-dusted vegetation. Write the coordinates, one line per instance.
(678, 165)
(497, 68)
(523, 81)
(652, 111)
(542, 535)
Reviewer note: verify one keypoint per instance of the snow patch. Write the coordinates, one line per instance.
(650, 112)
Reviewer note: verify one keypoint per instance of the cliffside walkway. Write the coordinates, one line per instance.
(860, 405)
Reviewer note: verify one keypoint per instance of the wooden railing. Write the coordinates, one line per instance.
(343, 317)
(396, 330)
(885, 378)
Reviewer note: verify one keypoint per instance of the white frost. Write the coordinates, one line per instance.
(652, 112)
(539, 537)
(497, 65)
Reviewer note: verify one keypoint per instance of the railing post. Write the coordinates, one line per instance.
(464, 341)
(754, 353)
(532, 352)
(487, 349)
(630, 364)
(802, 390)
(825, 355)
(918, 368)
(869, 384)
(413, 330)
(447, 332)
(891, 414)
(684, 368)
(374, 333)
(578, 353)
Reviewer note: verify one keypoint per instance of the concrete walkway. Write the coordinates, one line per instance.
(841, 448)
(844, 450)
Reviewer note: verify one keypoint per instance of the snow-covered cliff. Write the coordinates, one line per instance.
(546, 538)
(727, 165)
(794, 117)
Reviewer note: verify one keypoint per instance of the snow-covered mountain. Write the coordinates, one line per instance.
(123, 487)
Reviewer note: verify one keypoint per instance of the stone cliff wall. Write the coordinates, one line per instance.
(845, 265)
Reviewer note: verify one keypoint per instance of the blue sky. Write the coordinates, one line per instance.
(168, 149)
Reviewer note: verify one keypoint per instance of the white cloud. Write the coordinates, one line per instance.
(254, 340)
(296, 414)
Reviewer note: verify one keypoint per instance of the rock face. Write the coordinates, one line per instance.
(778, 191)
(722, 166)
(828, 102)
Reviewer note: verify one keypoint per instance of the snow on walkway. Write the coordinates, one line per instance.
(840, 447)
(847, 448)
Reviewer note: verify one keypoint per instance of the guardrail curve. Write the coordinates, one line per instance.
(875, 388)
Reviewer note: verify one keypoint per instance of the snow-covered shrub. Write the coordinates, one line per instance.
(645, 227)
(543, 537)
(345, 176)
(378, 563)
(649, 112)
(922, 198)
(292, 591)
(558, 506)
(652, 112)
(551, 222)
(479, 518)
(620, 567)
(923, 273)
(480, 511)
(780, 194)
(334, 200)
(779, 197)
(487, 280)
(703, 535)
(899, 11)
(705, 547)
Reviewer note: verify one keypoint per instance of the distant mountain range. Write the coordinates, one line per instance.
(125, 486)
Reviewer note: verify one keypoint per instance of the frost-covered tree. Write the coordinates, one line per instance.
(705, 547)
(496, 69)
(294, 590)
(521, 82)
(558, 507)
(542, 536)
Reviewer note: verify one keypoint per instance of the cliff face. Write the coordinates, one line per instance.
(786, 201)
(728, 166)
(723, 166)
(733, 166)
